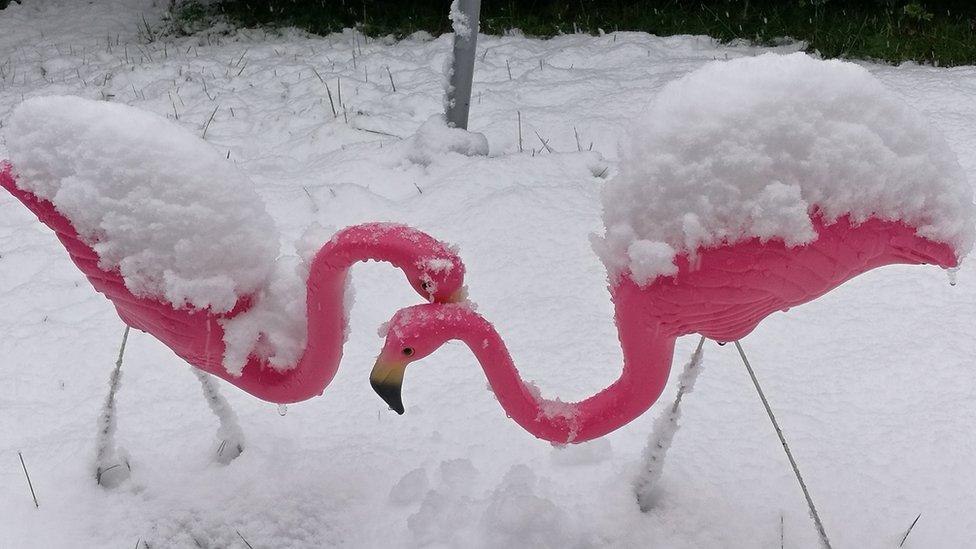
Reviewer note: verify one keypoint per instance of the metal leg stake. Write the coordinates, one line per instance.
(665, 428)
(110, 471)
(786, 448)
(230, 434)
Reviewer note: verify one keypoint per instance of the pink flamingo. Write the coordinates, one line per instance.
(723, 296)
(197, 336)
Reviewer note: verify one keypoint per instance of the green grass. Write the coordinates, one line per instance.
(941, 32)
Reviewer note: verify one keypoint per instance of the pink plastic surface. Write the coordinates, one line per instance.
(727, 290)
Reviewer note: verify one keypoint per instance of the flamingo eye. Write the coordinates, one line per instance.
(425, 285)
(408, 351)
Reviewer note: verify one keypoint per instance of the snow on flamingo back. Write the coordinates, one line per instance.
(180, 222)
(757, 147)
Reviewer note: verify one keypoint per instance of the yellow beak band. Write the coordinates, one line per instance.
(459, 296)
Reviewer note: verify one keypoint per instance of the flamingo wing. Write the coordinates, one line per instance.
(725, 292)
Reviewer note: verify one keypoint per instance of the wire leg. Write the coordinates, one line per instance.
(665, 428)
(110, 471)
(786, 448)
(230, 434)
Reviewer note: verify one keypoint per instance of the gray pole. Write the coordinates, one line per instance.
(465, 15)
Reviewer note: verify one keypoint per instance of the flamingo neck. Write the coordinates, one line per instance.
(326, 309)
(647, 363)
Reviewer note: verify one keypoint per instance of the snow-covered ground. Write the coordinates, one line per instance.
(873, 383)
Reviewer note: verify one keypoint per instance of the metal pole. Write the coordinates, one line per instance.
(465, 15)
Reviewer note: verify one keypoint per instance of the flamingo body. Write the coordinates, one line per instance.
(197, 335)
(726, 291)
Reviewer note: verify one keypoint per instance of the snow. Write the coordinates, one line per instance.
(871, 383)
(649, 259)
(180, 223)
(665, 428)
(436, 265)
(178, 220)
(230, 437)
(579, 455)
(275, 327)
(754, 147)
(435, 138)
(459, 21)
(410, 488)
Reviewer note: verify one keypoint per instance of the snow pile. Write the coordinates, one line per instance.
(753, 147)
(435, 138)
(178, 221)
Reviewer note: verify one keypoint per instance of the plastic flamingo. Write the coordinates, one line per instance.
(174, 235)
(748, 187)
(723, 297)
(197, 336)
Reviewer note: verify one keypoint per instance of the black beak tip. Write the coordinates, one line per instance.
(390, 394)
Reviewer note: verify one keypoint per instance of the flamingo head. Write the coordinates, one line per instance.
(432, 267)
(412, 334)
(438, 279)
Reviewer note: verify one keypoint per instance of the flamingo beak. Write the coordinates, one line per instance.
(387, 380)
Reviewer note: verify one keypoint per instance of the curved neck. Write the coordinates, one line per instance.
(647, 363)
(326, 308)
(400, 245)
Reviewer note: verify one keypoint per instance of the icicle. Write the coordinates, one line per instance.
(952, 274)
